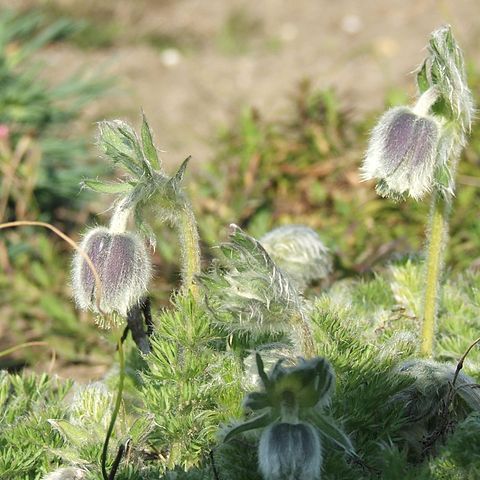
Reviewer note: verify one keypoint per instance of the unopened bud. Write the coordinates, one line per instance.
(123, 266)
(68, 473)
(403, 149)
(290, 451)
(299, 252)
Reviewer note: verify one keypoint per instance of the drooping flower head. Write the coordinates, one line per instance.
(402, 150)
(290, 451)
(289, 409)
(414, 150)
(122, 264)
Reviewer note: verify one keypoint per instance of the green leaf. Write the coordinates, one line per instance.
(329, 429)
(131, 140)
(256, 422)
(256, 401)
(422, 79)
(178, 177)
(261, 371)
(119, 142)
(72, 433)
(148, 146)
(105, 187)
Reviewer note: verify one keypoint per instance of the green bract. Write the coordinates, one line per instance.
(291, 394)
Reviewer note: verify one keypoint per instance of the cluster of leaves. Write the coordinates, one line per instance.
(46, 422)
(250, 293)
(192, 382)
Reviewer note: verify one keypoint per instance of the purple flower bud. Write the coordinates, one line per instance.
(290, 451)
(123, 265)
(402, 153)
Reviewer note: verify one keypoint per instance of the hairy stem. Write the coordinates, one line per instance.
(190, 248)
(305, 340)
(119, 220)
(10, 350)
(437, 234)
(118, 402)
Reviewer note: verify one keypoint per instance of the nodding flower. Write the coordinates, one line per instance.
(402, 151)
(290, 451)
(123, 266)
(289, 409)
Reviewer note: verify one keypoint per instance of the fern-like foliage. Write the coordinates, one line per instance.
(193, 383)
(191, 386)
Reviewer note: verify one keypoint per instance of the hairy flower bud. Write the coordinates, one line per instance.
(290, 451)
(123, 266)
(299, 252)
(68, 473)
(402, 153)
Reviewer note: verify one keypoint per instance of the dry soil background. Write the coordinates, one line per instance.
(220, 55)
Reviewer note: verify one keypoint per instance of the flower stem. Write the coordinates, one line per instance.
(118, 402)
(119, 220)
(10, 350)
(306, 342)
(437, 233)
(190, 247)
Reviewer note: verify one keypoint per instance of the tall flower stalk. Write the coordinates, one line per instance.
(120, 256)
(116, 409)
(437, 236)
(124, 270)
(444, 70)
(415, 150)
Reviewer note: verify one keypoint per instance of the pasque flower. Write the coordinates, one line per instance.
(289, 409)
(290, 451)
(122, 263)
(402, 151)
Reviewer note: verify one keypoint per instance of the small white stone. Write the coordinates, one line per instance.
(351, 24)
(170, 57)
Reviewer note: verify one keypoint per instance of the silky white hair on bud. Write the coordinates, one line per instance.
(66, 473)
(402, 153)
(290, 451)
(248, 291)
(123, 265)
(432, 381)
(299, 252)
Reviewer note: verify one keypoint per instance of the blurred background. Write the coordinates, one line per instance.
(273, 99)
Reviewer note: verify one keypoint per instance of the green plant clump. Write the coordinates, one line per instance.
(30, 109)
